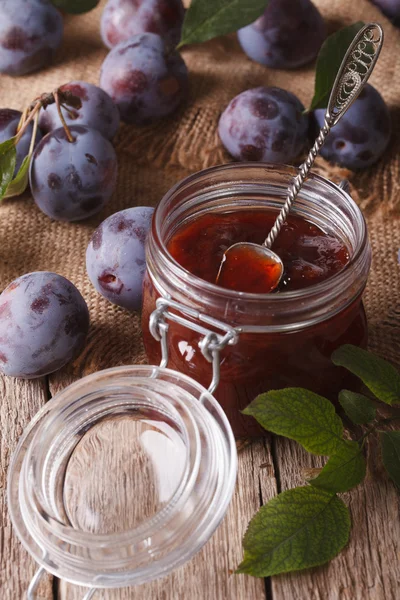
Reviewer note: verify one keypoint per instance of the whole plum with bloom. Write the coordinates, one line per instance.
(264, 124)
(71, 181)
(44, 322)
(115, 257)
(288, 34)
(145, 81)
(97, 111)
(122, 19)
(9, 120)
(30, 33)
(362, 134)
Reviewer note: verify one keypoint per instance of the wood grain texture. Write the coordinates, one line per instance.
(209, 575)
(19, 401)
(369, 567)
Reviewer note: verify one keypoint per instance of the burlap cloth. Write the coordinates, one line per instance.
(152, 159)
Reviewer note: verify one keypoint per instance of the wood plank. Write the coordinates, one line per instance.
(210, 573)
(368, 568)
(19, 401)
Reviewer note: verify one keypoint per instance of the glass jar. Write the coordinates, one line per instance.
(283, 339)
(101, 513)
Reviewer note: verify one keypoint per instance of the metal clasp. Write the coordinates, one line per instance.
(210, 345)
(36, 579)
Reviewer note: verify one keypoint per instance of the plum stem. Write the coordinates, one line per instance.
(69, 111)
(22, 119)
(35, 128)
(27, 119)
(59, 97)
(70, 137)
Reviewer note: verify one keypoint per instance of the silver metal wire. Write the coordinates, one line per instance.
(211, 343)
(34, 584)
(352, 76)
(36, 579)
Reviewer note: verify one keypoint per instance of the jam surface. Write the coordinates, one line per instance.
(309, 254)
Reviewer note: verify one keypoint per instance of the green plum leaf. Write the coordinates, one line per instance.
(376, 373)
(8, 157)
(301, 528)
(390, 442)
(20, 182)
(300, 415)
(359, 408)
(344, 470)
(205, 20)
(329, 59)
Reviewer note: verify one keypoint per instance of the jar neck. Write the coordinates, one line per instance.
(259, 186)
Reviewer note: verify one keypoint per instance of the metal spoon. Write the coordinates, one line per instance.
(260, 262)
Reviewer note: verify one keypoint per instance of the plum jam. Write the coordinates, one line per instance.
(286, 337)
(309, 255)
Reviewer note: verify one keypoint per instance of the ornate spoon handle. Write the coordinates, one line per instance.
(352, 76)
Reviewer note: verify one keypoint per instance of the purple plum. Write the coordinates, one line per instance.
(122, 19)
(71, 181)
(97, 111)
(30, 33)
(44, 322)
(145, 81)
(362, 134)
(390, 8)
(288, 35)
(115, 257)
(264, 124)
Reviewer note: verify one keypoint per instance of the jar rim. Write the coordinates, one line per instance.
(302, 294)
(211, 436)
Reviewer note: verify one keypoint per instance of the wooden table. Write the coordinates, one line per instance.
(367, 569)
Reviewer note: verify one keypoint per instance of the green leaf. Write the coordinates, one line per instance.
(299, 415)
(76, 7)
(20, 182)
(344, 470)
(7, 166)
(205, 20)
(301, 528)
(328, 62)
(359, 408)
(390, 441)
(7, 145)
(377, 374)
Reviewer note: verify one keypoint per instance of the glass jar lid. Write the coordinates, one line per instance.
(122, 476)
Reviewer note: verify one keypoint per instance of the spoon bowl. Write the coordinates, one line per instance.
(251, 268)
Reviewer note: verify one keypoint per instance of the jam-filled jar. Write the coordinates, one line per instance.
(261, 341)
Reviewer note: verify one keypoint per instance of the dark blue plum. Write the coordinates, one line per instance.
(122, 19)
(30, 33)
(9, 120)
(97, 111)
(362, 134)
(288, 35)
(115, 257)
(145, 81)
(390, 8)
(71, 181)
(44, 322)
(264, 124)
